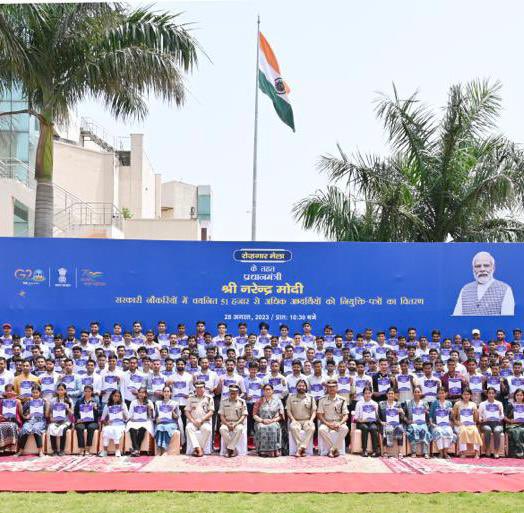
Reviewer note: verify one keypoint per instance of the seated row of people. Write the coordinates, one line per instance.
(420, 421)
(39, 416)
(443, 422)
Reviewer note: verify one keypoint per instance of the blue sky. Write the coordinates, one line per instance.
(336, 56)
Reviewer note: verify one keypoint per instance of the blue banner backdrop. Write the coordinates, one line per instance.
(75, 281)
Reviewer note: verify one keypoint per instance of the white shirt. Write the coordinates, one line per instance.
(43, 348)
(6, 378)
(109, 381)
(291, 382)
(96, 382)
(218, 340)
(285, 341)
(278, 383)
(153, 350)
(88, 350)
(132, 381)
(317, 385)
(225, 380)
(508, 302)
(360, 411)
(459, 369)
(362, 382)
(497, 412)
(253, 388)
(182, 387)
(209, 377)
(514, 383)
(379, 351)
(139, 415)
(95, 340)
(48, 381)
(225, 348)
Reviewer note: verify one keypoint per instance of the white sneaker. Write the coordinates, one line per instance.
(102, 454)
(118, 453)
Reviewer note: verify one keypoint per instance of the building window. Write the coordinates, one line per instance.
(20, 220)
(18, 133)
(204, 207)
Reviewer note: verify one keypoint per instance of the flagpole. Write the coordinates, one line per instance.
(255, 146)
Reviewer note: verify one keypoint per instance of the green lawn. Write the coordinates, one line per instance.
(162, 502)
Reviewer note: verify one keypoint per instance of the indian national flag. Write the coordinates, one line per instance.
(271, 83)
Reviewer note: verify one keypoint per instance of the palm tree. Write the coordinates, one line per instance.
(447, 179)
(61, 54)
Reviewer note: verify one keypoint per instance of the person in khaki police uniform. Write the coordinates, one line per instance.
(233, 412)
(302, 410)
(333, 414)
(199, 410)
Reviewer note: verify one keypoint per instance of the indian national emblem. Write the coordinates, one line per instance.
(62, 275)
(280, 86)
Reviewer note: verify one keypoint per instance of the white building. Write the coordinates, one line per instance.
(104, 187)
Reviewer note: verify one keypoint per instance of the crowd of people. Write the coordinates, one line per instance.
(285, 393)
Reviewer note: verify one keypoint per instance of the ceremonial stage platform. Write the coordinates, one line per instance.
(253, 474)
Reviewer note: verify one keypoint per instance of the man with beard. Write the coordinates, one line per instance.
(233, 412)
(486, 295)
(302, 410)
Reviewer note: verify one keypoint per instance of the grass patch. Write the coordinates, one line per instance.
(173, 502)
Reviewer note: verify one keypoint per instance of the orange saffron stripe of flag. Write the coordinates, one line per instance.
(268, 52)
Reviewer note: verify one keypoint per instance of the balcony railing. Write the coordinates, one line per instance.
(17, 170)
(92, 131)
(69, 210)
(89, 214)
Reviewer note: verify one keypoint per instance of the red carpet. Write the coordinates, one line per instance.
(256, 482)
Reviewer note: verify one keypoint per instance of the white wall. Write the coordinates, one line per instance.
(92, 231)
(158, 195)
(131, 178)
(86, 173)
(180, 197)
(96, 176)
(162, 229)
(139, 186)
(71, 129)
(11, 190)
(124, 188)
(148, 188)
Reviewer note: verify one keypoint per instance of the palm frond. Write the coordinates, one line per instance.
(158, 32)
(491, 230)
(409, 124)
(471, 111)
(482, 106)
(101, 50)
(456, 178)
(330, 213)
(16, 21)
(364, 173)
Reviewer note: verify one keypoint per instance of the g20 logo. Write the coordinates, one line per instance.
(25, 275)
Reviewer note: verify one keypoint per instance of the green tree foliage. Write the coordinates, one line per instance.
(448, 178)
(60, 54)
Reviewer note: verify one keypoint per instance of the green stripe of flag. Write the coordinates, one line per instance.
(283, 108)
